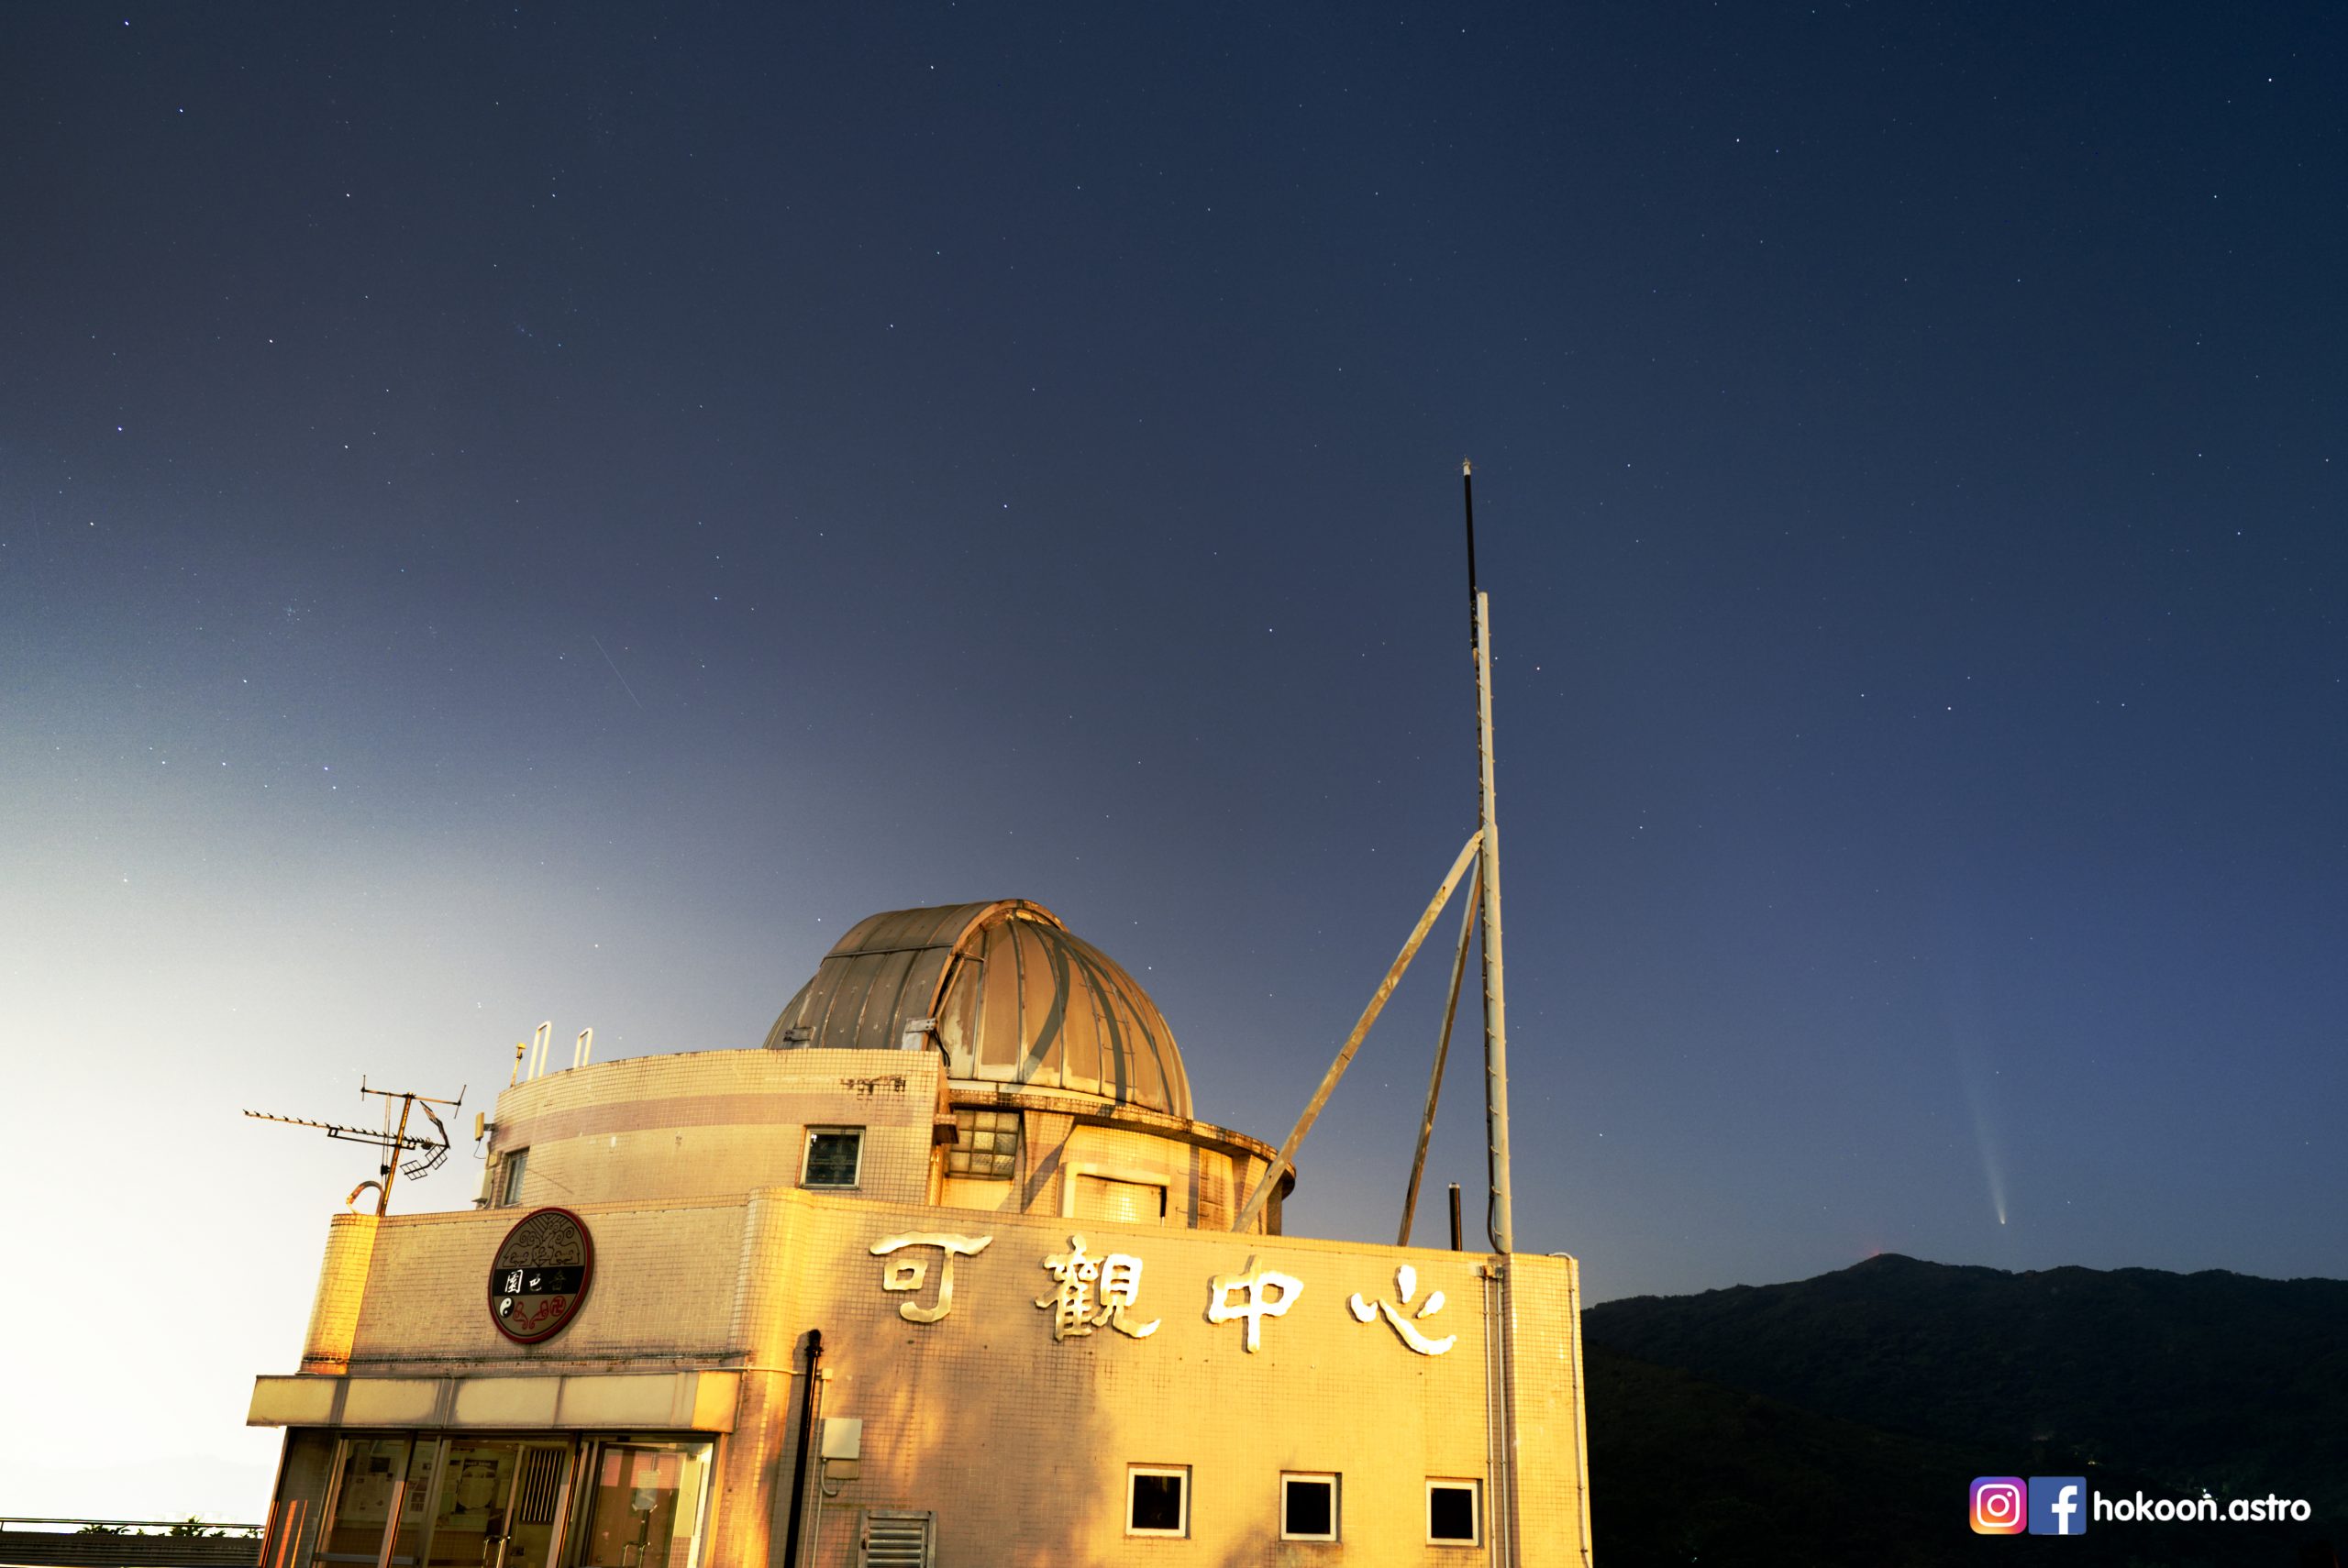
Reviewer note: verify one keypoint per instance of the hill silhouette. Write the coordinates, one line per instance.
(1839, 1419)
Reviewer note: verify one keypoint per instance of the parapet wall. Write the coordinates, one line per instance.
(1012, 1403)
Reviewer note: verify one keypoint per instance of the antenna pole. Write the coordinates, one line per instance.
(392, 1155)
(1467, 494)
(1500, 1223)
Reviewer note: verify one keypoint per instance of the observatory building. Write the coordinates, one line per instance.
(946, 1273)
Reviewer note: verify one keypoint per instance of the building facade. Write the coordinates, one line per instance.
(944, 1272)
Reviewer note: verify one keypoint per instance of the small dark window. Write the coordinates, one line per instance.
(834, 1157)
(509, 1183)
(1308, 1507)
(986, 1143)
(1157, 1500)
(1451, 1512)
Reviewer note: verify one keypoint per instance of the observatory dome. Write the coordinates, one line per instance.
(1014, 998)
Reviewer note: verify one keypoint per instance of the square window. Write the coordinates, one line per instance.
(834, 1157)
(509, 1186)
(986, 1145)
(1157, 1499)
(1454, 1518)
(1308, 1507)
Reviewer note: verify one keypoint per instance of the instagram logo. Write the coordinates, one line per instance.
(2001, 1506)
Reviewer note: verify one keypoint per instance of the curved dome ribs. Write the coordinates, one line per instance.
(1111, 1063)
(1047, 1037)
(1006, 1011)
(1118, 1056)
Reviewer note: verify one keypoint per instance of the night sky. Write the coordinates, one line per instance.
(555, 512)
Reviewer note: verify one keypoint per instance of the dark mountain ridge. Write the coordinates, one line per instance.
(1901, 1369)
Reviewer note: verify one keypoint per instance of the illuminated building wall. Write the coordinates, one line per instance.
(1040, 1342)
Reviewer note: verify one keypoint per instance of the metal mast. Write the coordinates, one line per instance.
(1499, 1222)
(1482, 850)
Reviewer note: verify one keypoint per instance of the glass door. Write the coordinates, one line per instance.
(499, 1501)
(644, 1506)
(460, 1502)
(375, 1477)
(537, 1504)
(469, 1527)
(367, 1485)
(498, 1504)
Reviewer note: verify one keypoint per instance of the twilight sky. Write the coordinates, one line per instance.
(555, 512)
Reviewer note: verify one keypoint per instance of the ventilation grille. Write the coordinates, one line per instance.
(896, 1539)
(542, 1485)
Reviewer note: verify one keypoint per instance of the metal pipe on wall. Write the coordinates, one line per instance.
(807, 1436)
(1500, 1436)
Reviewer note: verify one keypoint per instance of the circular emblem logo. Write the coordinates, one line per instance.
(539, 1275)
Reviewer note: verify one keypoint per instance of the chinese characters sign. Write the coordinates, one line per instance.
(907, 1274)
(539, 1274)
(1253, 1296)
(1091, 1293)
(1406, 1285)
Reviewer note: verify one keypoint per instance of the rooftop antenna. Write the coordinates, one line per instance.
(1482, 850)
(1498, 1219)
(1498, 1223)
(429, 1149)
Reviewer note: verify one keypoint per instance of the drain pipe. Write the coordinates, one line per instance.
(807, 1436)
(1500, 1437)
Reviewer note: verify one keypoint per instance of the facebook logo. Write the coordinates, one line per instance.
(2058, 1505)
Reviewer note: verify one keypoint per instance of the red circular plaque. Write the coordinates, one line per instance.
(539, 1275)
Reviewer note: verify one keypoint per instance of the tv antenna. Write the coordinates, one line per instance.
(393, 1140)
